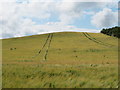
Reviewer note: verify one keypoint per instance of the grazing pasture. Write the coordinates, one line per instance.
(60, 60)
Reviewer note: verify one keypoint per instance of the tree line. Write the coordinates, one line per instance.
(114, 31)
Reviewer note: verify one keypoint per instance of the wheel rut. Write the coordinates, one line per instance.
(47, 41)
(96, 41)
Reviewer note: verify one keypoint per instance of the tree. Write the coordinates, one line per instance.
(114, 31)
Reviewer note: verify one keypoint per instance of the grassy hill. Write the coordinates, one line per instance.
(61, 60)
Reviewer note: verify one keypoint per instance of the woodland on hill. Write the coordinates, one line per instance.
(114, 31)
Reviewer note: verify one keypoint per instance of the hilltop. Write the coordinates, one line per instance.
(42, 60)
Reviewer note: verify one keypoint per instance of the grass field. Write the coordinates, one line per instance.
(60, 60)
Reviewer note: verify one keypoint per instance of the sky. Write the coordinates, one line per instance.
(30, 17)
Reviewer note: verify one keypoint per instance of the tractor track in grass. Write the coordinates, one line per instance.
(95, 40)
(99, 40)
(46, 53)
(39, 52)
(48, 40)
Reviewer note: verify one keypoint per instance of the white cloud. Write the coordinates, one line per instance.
(105, 18)
(66, 12)
(16, 18)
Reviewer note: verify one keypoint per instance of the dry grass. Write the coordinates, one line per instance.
(73, 61)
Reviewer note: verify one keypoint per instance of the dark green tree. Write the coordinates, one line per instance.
(114, 31)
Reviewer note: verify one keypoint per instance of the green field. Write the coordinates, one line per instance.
(60, 60)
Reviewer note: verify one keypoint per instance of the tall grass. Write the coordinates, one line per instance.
(73, 61)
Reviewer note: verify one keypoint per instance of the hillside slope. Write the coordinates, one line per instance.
(27, 58)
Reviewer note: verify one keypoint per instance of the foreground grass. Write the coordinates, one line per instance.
(60, 76)
(72, 61)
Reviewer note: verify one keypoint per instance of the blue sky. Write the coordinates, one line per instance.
(29, 17)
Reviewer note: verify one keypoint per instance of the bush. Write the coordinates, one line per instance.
(114, 31)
